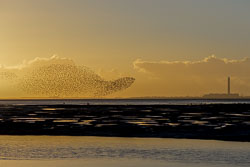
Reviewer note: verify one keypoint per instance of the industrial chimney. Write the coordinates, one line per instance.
(228, 86)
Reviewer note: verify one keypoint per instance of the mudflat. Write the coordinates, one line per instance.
(207, 121)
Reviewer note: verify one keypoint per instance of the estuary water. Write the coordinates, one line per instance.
(29, 151)
(123, 101)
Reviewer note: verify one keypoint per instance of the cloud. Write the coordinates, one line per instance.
(58, 77)
(208, 66)
(197, 77)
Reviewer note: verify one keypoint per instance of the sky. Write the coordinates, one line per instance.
(152, 41)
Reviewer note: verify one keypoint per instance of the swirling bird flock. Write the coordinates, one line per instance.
(66, 80)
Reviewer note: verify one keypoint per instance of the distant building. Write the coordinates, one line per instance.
(229, 95)
(221, 96)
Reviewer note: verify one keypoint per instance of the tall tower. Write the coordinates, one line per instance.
(228, 86)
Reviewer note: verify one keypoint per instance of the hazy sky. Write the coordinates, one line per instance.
(111, 35)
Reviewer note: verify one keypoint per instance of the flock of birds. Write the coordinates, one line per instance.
(65, 80)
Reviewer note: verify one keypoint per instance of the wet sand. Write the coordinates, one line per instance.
(211, 121)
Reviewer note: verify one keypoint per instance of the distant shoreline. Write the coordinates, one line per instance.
(131, 98)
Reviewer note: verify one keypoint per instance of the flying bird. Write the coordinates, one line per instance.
(69, 80)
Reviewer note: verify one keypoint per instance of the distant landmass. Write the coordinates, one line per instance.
(222, 96)
(206, 96)
(229, 95)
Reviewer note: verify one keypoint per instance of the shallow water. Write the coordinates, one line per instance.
(124, 101)
(104, 151)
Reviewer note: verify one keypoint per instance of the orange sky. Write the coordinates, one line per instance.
(165, 45)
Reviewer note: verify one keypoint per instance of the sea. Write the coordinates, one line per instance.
(70, 151)
(123, 101)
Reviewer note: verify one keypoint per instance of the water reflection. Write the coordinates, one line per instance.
(92, 149)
